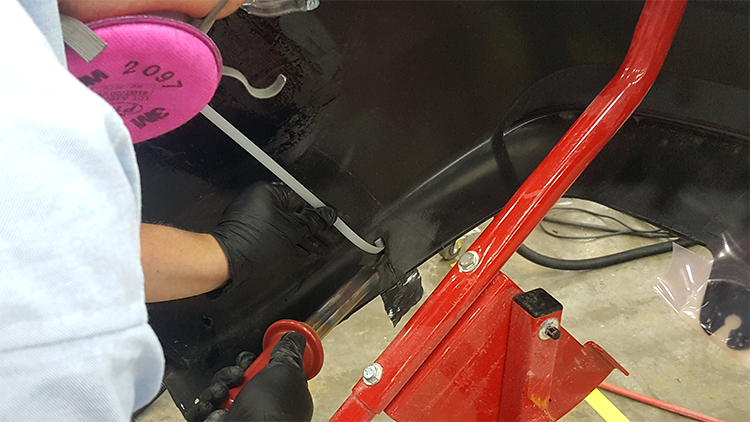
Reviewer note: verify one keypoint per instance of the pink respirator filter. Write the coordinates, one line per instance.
(157, 73)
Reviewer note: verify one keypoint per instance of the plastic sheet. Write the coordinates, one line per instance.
(713, 295)
(269, 8)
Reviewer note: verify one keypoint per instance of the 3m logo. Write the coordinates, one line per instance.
(96, 77)
(149, 117)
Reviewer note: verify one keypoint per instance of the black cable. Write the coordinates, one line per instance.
(602, 261)
(650, 234)
(593, 213)
(655, 233)
(579, 224)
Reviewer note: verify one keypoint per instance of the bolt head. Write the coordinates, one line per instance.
(372, 374)
(550, 329)
(468, 262)
(553, 333)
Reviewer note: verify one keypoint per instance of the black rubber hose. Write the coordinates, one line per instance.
(602, 261)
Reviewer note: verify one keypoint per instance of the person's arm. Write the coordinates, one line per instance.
(90, 10)
(266, 225)
(178, 263)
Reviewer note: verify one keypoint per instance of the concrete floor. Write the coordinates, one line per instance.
(615, 307)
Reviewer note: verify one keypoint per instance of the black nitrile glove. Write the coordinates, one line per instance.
(213, 396)
(277, 393)
(266, 225)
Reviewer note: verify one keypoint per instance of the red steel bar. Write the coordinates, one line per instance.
(456, 293)
(658, 403)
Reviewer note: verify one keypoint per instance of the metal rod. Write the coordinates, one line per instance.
(343, 302)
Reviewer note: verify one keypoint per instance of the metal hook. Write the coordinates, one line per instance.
(260, 93)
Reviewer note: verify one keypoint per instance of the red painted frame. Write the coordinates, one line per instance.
(459, 291)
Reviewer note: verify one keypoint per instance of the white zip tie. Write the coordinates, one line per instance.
(243, 141)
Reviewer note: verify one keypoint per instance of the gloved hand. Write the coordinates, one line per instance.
(265, 225)
(213, 396)
(277, 393)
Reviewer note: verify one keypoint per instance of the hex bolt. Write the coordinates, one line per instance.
(372, 374)
(553, 333)
(550, 329)
(468, 262)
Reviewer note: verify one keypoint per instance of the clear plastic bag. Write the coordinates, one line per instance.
(713, 295)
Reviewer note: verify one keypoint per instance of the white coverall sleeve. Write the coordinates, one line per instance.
(74, 340)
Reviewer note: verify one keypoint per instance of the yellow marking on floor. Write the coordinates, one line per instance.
(604, 407)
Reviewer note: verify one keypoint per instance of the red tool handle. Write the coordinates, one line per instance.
(312, 360)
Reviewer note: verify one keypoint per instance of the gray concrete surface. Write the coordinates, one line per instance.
(615, 307)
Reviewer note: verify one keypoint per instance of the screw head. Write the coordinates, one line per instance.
(372, 374)
(468, 262)
(550, 329)
(553, 333)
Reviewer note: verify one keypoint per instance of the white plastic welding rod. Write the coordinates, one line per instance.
(243, 141)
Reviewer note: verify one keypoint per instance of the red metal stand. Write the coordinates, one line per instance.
(449, 361)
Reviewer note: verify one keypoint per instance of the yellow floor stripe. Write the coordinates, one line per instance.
(604, 407)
